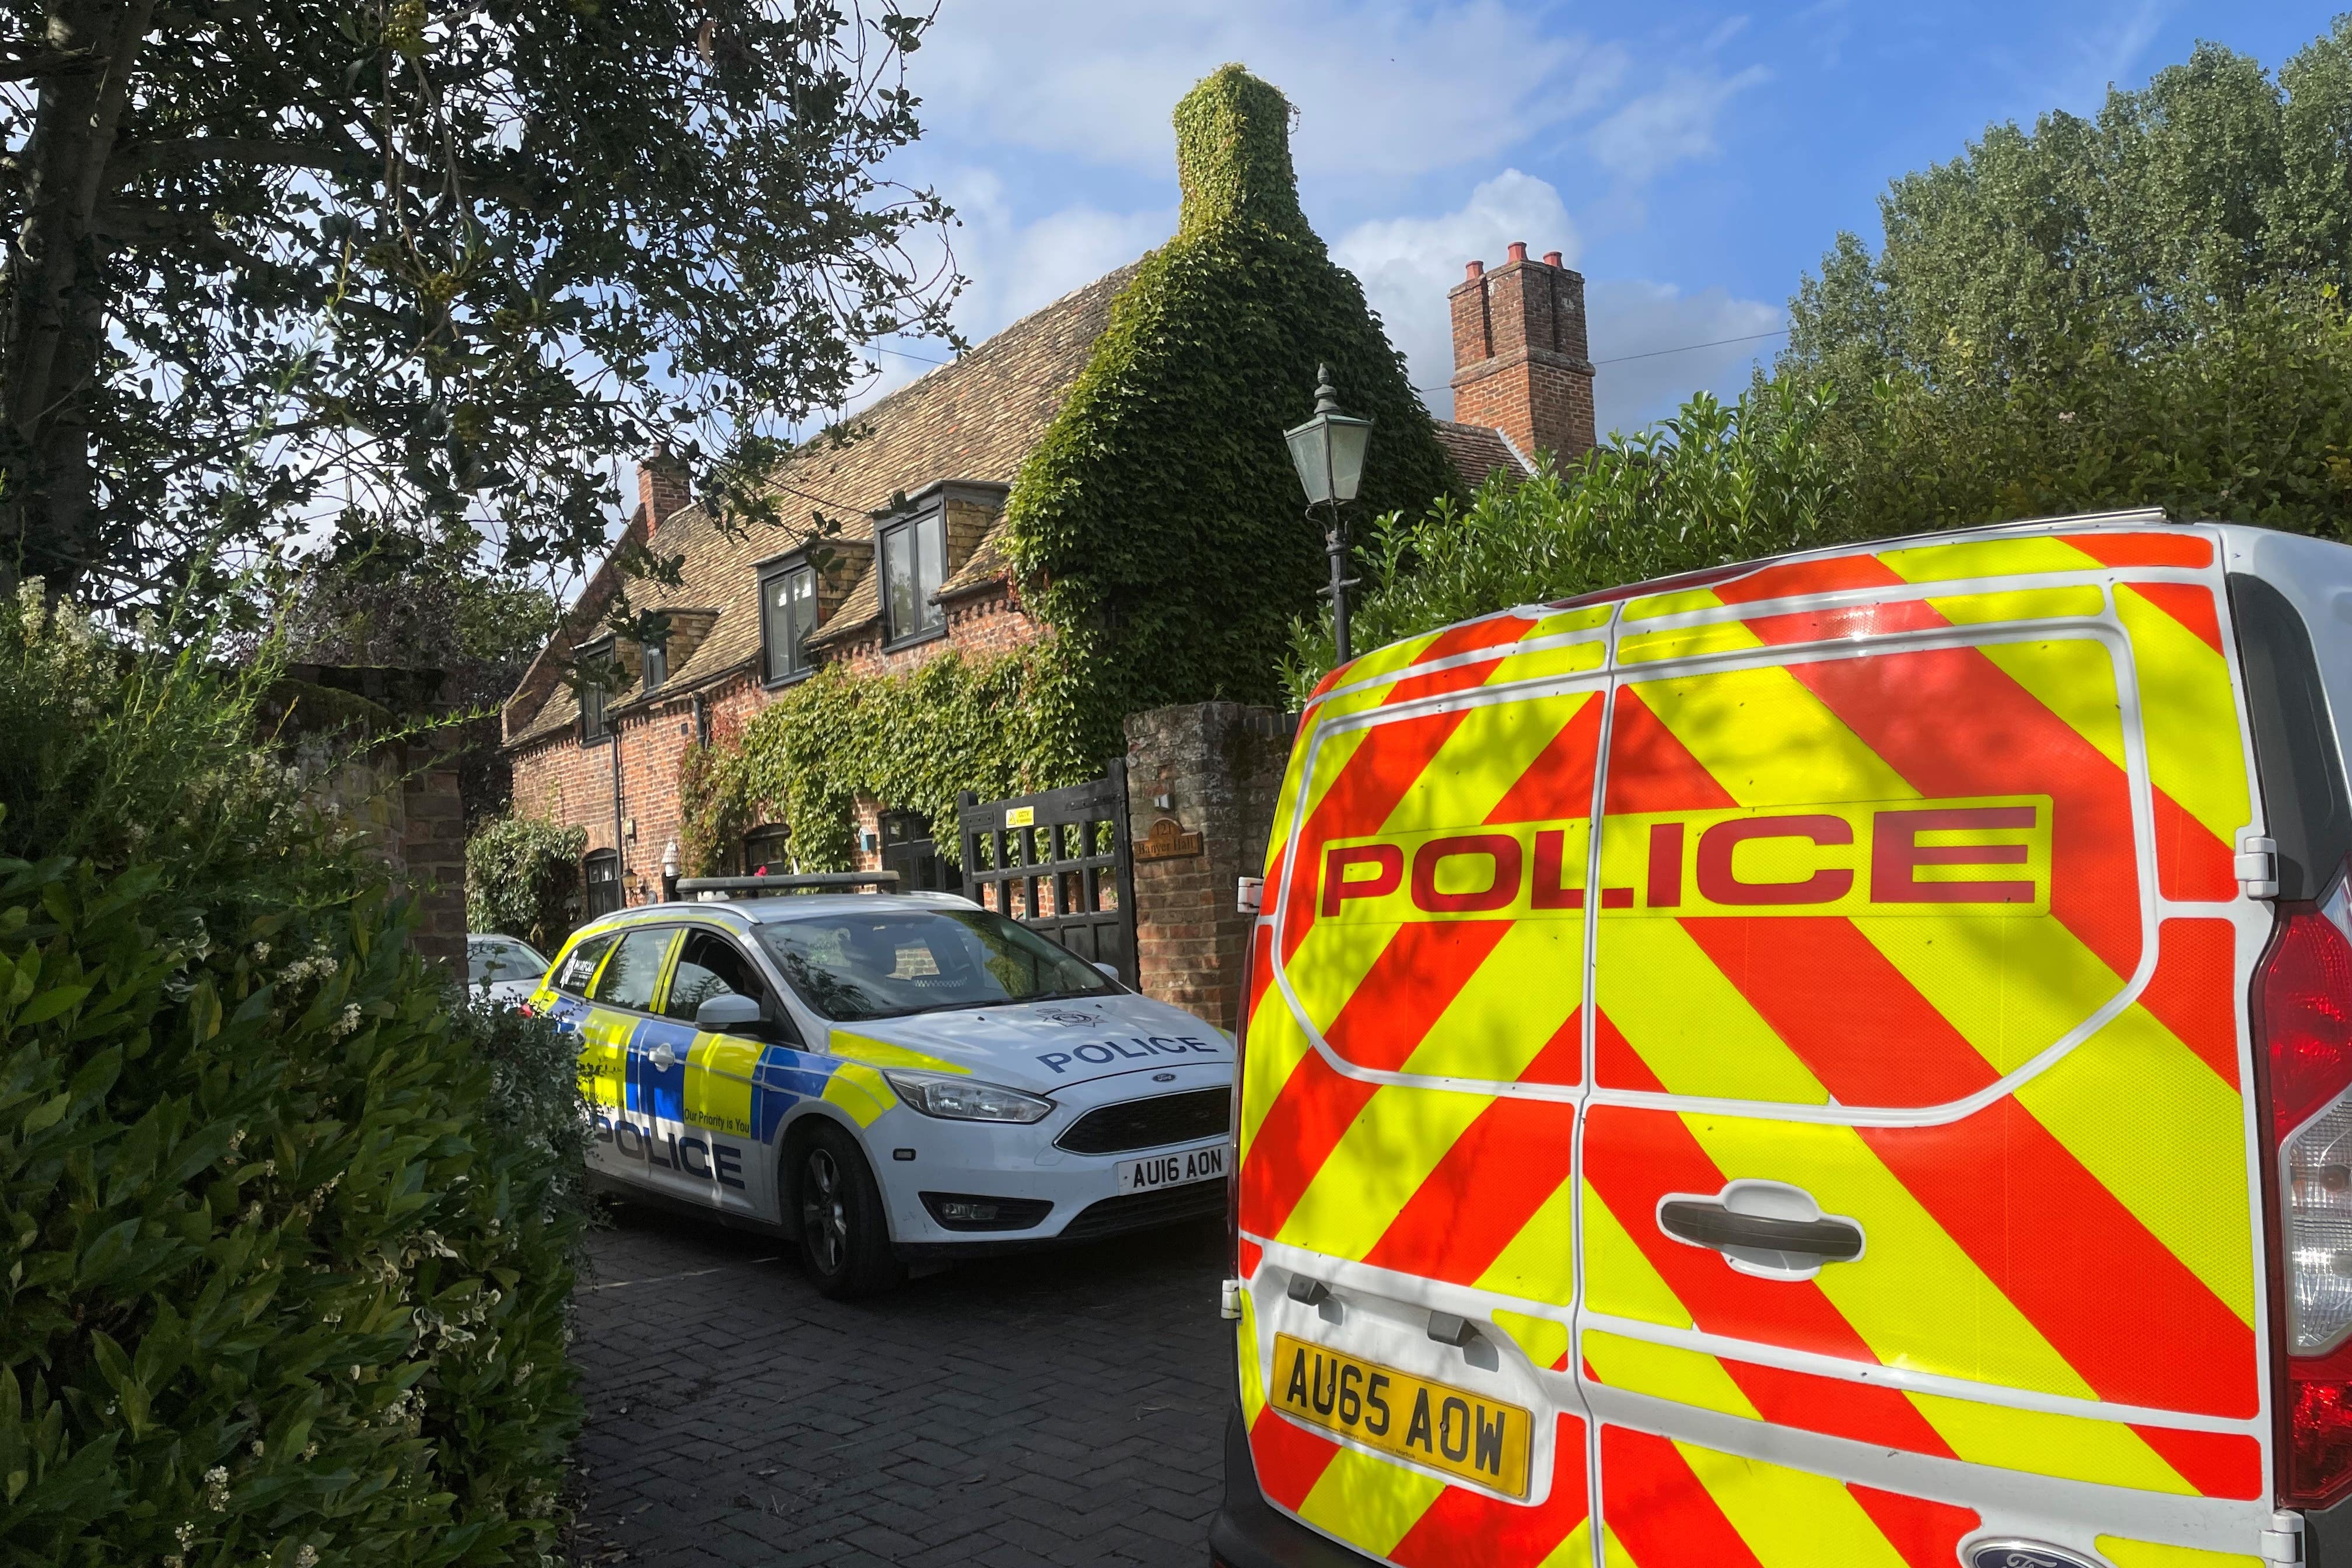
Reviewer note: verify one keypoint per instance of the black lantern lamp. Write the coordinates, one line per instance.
(1329, 451)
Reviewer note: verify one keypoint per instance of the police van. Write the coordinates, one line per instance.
(889, 1079)
(1845, 1060)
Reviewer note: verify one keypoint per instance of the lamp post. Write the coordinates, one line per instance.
(1329, 452)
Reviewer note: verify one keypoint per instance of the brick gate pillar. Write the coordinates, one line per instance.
(1200, 786)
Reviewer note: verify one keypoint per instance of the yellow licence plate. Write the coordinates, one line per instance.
(1434, 1424)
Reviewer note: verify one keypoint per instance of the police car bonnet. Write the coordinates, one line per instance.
(1051, 1045)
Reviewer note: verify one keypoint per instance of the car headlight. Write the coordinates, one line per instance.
(966, 1100)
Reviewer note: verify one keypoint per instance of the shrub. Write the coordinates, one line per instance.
(521, 875)
(1718, 482)
(286, 1244)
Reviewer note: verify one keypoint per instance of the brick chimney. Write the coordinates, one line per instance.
(1520, 360)
(662, 489)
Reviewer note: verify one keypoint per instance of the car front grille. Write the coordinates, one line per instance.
(1152, 1124)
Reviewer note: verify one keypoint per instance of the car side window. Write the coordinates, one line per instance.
(628, 978)
(580, 964)
(710, 965)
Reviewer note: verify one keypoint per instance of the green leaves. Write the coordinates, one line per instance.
(226, 1213)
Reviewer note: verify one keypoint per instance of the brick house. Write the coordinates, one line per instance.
(916, 569)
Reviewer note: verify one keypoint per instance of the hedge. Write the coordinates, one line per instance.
(286, 1233)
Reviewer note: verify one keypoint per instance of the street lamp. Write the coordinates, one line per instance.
(1329, 451)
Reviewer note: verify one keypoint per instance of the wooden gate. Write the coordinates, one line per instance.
(1058, 863)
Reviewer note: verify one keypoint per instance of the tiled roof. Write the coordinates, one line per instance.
(1478, 450)
(976, 419)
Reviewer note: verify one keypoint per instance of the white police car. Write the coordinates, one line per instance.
(889, 1079)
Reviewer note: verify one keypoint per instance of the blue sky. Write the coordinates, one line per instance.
(1692, 161)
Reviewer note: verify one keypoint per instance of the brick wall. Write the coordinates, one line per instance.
(1521, 363)
(1219, 765)
(402, 792)
(980, 624)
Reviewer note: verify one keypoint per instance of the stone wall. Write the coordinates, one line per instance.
(1218, 766)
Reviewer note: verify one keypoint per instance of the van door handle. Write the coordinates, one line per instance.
(661, 1057)
(1712, 1224)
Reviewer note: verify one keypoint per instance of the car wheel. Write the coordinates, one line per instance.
(844, 1233)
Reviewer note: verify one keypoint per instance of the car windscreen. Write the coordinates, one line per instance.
(502, 958)
(850, 967)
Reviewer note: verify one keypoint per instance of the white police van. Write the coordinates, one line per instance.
(889, 1079)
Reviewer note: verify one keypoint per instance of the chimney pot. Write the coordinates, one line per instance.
(1519, 251)
(1473, 271)
(1552, 259)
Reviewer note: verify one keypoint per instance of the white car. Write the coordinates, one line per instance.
(502, 969)
(889, 1079)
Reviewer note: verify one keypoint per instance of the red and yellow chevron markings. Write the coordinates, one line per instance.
(1871, 891)
(1675, 1505)
(1409, 1517)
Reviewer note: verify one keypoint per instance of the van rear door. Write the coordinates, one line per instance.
(1918, 1206)
(1844, 1156)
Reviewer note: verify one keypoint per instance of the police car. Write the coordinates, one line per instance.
(887, 1079)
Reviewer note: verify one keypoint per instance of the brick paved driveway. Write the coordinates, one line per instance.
(1065, 1408)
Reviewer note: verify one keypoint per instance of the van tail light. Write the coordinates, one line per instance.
(2303, 996)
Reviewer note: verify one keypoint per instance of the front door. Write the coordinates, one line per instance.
(1915, 1210)
(909, 848)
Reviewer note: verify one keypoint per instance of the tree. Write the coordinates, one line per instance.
(428, 259)
(2142, 308)
(2130, 232)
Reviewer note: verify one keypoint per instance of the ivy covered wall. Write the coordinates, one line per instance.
(1156, 529)
(1159, 526)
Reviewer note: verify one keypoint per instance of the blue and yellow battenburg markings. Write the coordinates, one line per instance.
(722, 1082)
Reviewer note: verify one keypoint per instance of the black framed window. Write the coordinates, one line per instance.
(787, 616)
(914, 564)
(656, 661)
(602, 878)
(595, 668)
(767, 849)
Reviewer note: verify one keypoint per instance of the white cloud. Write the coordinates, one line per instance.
(1672, 124)
(1016, 267)
(1407, 264)
(1383, 87)
(1631, 320)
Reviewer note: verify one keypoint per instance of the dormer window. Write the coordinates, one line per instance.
(914, 564)
(595, 668)
(656, 661)
(787, 616)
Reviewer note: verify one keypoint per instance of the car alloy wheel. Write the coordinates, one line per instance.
(824, 1215)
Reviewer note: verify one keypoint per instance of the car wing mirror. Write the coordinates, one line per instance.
(730, 1013)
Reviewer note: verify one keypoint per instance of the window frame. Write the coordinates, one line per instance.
(654, 661)
(777, 1027)
(925, 603)
(771, 572)
(669, 935)
(603, 650)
